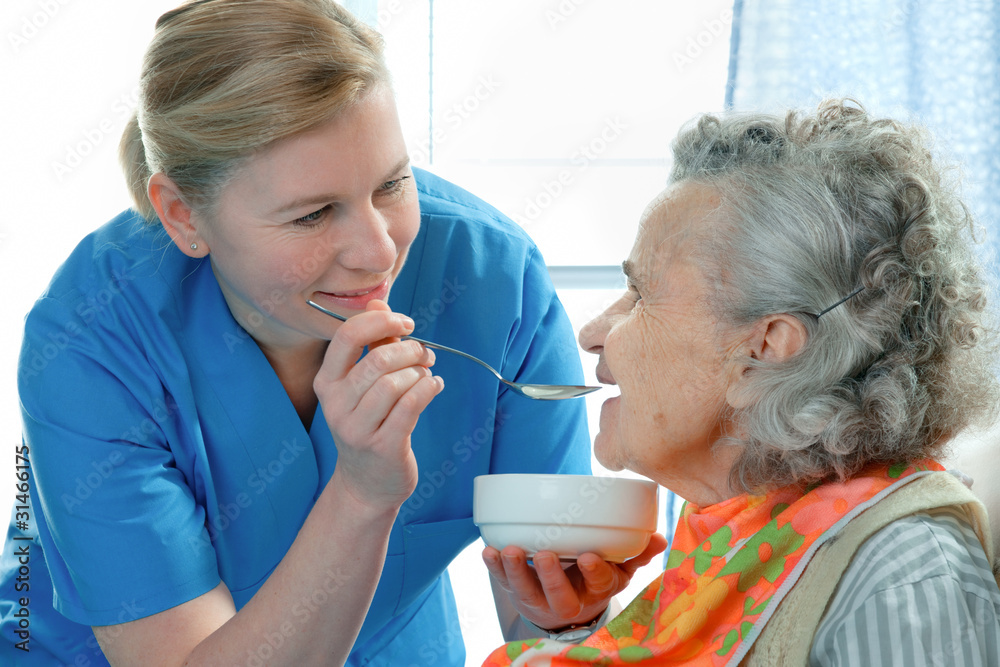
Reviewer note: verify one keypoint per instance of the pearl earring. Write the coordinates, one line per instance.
(194, 246)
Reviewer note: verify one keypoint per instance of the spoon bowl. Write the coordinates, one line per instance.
(539, 392)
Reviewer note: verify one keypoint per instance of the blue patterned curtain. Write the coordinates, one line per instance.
(932, 61)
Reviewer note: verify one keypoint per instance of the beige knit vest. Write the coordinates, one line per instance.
(788, 635)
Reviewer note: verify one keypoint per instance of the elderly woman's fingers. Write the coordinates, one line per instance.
(601, 579)
(656, 546)
(491, 556)
(522, 582)
(560, 593)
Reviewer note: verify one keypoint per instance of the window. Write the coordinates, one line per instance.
(560, 114)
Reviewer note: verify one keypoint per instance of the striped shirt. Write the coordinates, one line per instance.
(918, 592)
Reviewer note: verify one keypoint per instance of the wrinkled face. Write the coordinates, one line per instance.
(327, 215)
(660, 344)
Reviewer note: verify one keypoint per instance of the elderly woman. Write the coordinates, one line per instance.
(803, 333)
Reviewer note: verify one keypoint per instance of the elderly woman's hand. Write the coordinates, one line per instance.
(372, 405)
(551, 597)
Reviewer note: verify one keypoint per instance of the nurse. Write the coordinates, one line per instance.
(220, 473)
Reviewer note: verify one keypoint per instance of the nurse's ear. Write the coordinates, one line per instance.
(175, 214)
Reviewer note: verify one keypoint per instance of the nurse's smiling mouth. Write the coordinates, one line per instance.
(355, 299)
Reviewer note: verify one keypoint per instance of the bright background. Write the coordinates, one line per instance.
(558, 112)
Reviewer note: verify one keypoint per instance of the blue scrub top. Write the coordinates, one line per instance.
(166, 456)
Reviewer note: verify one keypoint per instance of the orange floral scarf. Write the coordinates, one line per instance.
(728, 568)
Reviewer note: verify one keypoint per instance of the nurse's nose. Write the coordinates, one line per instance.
(370, 247)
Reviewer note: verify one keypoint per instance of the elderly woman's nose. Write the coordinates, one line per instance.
(594, 332)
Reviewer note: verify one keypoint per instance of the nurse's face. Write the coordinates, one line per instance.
(328, 215)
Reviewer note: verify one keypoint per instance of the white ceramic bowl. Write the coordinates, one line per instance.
(613, 517)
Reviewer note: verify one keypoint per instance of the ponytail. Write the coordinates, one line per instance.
(132, 157)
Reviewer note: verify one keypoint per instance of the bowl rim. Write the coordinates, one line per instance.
(614, 479)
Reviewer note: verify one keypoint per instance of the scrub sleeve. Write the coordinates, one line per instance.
(166, 457)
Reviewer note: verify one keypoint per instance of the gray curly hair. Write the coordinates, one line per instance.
(818, 206)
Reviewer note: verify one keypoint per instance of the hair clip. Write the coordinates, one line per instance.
(827, 310)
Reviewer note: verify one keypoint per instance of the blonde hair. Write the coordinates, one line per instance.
(223, 78)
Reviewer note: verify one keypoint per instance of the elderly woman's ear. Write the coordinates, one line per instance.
(772, 340)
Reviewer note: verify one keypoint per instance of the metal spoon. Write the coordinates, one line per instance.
(541, 392)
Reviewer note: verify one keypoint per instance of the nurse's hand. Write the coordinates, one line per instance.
(372, 405)
(553, 598)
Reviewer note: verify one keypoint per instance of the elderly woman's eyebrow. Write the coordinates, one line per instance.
(632, 273)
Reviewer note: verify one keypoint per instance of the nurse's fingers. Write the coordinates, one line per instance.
(375, 304)
(343, 381)
(386, 359)
(405, 412)
(394, 401)
(373, 326)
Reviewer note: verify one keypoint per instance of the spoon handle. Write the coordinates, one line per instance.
(445, 348)
(425, 343)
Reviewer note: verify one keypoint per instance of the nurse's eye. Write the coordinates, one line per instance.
(393, 187)
(313, 219)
